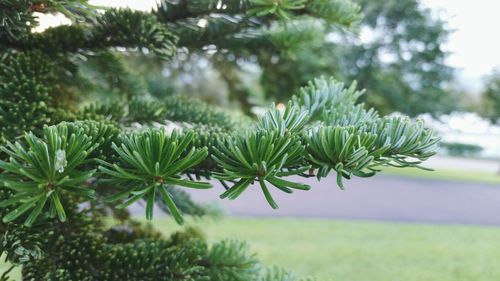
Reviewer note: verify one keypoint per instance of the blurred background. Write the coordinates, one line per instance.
(436, 60)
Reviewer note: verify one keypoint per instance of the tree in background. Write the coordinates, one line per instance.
(404, 63)
(490, 98)
(399, 58)
(69, 168)
(236, 62)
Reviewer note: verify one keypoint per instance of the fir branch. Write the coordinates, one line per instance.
(145, 110)
(404, 139)
(154, 260)
(230, 260)
(324, 94)
(182, 109)
(346, 116)
(148, 163)
(260, 156)
(341, 149)
(172, 11)
(26, 83)
(16, 19)
(115, 28)
(195, 33)
(42, 170)
(113, 111)
(127, 28)
(291, 119)
(282, 8)
(337, 12)
(101, 134)
(76, 10)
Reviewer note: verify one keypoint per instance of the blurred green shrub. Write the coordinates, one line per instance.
(461, 149)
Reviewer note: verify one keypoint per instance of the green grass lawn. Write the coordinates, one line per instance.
(364, 251)
(444, 174)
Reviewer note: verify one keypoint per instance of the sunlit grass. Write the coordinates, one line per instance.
(445, 174)
(363, 251)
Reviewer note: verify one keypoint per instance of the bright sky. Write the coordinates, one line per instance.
(474, 45)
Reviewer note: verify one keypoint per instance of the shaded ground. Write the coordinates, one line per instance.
(387, 198)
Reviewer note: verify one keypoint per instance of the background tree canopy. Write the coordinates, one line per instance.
(397, 55)
(490, 98)
(403, 63)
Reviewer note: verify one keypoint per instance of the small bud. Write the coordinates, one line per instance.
(60, 161)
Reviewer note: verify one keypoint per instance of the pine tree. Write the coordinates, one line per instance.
(67, 166)
(490, 98)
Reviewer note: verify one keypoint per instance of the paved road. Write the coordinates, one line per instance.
(385, 198)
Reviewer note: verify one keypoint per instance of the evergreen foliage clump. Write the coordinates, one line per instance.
(490, 98)
(82, 139)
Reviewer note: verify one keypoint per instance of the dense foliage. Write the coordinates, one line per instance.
(69, 169)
